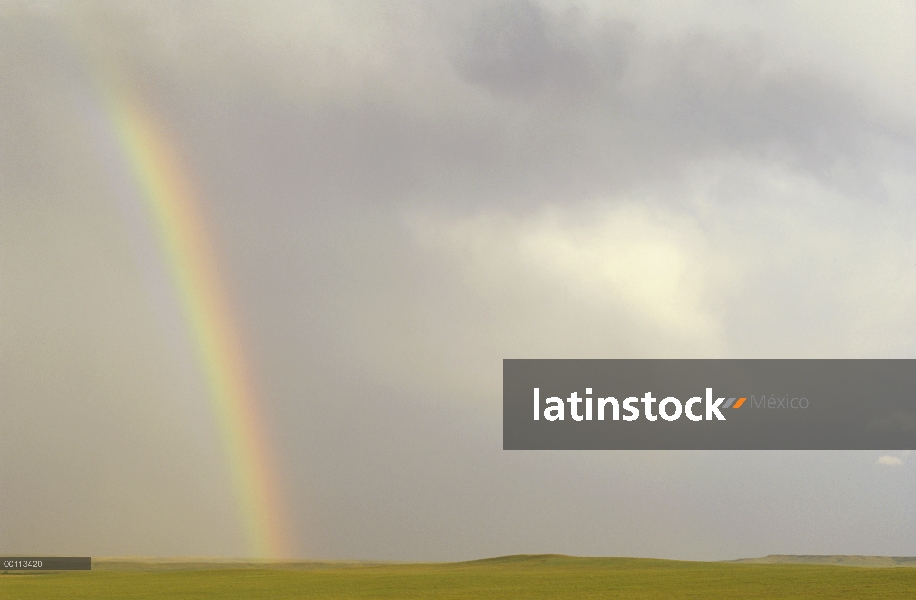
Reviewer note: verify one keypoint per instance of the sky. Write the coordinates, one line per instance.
(399, 195)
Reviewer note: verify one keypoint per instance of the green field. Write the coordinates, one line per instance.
(526, 577)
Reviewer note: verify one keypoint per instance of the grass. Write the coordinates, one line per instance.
(523, 577)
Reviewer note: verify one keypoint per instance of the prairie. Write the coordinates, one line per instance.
(511, 577)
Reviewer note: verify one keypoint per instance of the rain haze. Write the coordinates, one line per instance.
(398, 196)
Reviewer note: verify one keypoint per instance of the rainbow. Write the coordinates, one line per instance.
(170, 209)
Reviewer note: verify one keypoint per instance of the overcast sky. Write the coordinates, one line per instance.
(402, 194)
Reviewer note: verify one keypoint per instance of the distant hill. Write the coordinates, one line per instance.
(518, 560)
(832, 559)
(141, 563)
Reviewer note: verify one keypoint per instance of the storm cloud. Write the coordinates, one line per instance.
(402, 195)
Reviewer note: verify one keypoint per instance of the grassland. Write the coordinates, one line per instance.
(516, 577)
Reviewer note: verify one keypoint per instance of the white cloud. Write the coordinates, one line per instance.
(737, 258)
(649, 264)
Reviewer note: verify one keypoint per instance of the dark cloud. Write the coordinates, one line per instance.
(562, 109)
(517, 50)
